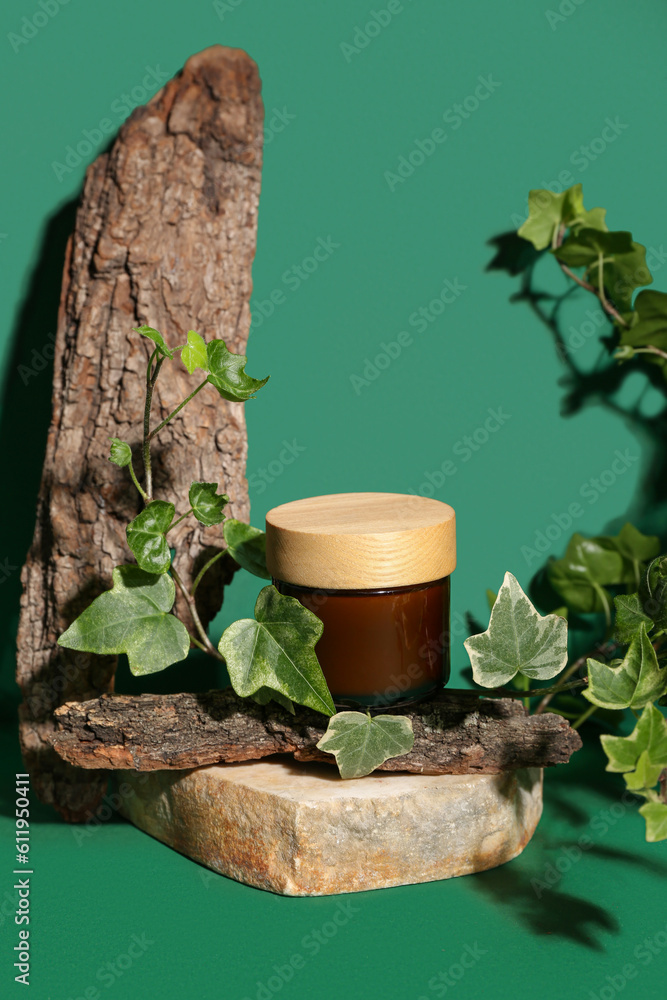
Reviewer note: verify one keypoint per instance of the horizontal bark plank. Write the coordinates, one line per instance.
(456, 732)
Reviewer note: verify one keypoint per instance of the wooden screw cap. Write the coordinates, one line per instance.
(361, 541)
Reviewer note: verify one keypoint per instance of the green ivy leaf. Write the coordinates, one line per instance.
(276, 649)
(194, 353)
(361, 743)
(156, 337)
(616, 256)
(265, 695)
(629, 616)
(649, 736)
(655, 814)
(583, 572)
(133, 618)
(651, 325)
(121, 453)
(146, 536)
(207, 505)
(547, 210)
(653, 592)
(635, 549)
(518, 639)
(635, 682)
(227, 373)
(247, 546)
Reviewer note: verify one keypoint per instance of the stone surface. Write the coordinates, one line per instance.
(299, 830)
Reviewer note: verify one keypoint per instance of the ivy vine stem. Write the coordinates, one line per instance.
(584, 715)
(207, 644)
(502, 692)
(204, 570)
(606, 305)
(177, 410)
(151, 378)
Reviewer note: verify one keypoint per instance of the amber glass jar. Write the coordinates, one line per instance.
(374, 567)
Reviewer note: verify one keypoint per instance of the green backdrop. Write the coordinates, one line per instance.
(401, 138)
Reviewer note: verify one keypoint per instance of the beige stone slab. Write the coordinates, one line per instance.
(299, 830)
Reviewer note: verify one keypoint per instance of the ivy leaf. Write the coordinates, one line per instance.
(206, 504)
(194, 353)
(655, 814)
(227, 373)
(629, 616)
(156, 337)
(649, 736)
(247, 546)
(615, 256)
(581, 575)
(361, 743)
(265, 695)
(635, 682)
(645, 775)
(121, 453)
(518, 639)
(146, 536)
(133, 618)
(635, 550)
(275, 649)
(547, 211)
(651, 325)
(653, 592)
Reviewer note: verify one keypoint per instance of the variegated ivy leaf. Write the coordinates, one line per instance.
(361, 743)
(655, 814)
(649, 736)
(133, 617)
(276, 650)
(633, 683)
(518, 640)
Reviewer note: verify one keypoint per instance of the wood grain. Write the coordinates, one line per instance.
(361, 541)
(165, 235)
(456, 732)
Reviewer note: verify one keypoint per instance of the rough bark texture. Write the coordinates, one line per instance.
(456, 732)
(165, 235)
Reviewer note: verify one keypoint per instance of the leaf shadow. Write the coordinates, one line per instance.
(554, 912)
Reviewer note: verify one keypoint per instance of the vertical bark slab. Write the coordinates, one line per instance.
(165, 235)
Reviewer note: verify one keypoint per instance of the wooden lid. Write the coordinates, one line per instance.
(361, 541)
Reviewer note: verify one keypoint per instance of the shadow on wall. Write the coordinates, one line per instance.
(599, 386)
(26, 413)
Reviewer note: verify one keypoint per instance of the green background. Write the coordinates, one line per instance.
(349, 116)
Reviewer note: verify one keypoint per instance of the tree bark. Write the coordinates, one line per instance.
(456, 732)
(165, 235)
